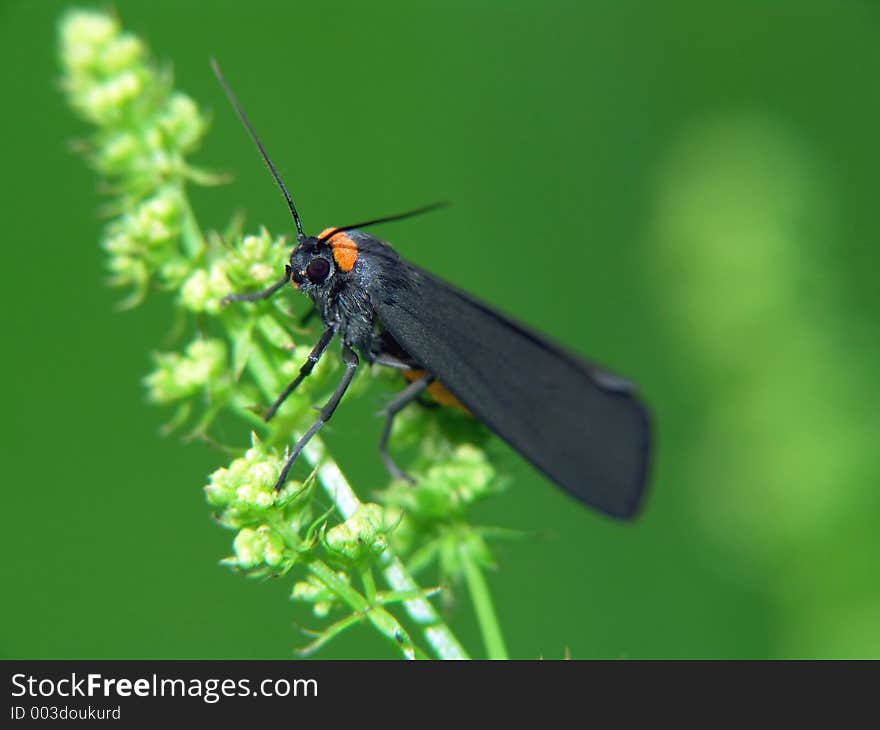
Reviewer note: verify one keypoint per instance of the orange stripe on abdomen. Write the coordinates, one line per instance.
(437, 390)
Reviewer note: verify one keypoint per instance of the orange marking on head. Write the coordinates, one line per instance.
(345, 250)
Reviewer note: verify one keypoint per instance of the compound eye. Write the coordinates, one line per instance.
(318, 269)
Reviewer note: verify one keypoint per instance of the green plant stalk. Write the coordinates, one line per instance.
(437, 634)
(481, 599)
(144, 131)
(384, 622)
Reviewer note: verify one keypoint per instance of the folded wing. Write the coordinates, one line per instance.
(581, 426)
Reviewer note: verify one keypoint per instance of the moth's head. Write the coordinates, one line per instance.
(312, 267)
(318, 260)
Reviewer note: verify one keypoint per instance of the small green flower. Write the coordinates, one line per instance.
(257, 547)
(106, 71)
(180, 376)
(257, 261)
(203, 291)
(446, 489)
(110, 101)
(120, 153)
(313, 591)
(360, 537)
(182, 122)
(84, 37)
(248, 482)
(145, 240)
(256, 249)
(156, 221)
(120, 52)
(245, 494)
(128, 270)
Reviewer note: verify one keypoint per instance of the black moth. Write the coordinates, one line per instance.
(581, 426)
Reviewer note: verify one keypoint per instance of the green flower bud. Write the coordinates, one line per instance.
(175, 271)
(248, 547)
(273, 547)
(120, 242)
(180, 376)
(182, 122)
(361, 536)
(263, 272)
(256, 260)
(158, 159)
(129, 271)
(106, 102)
(156, 221)
(247, 488)
(254, 248)
(220, 490)
(448, 487)
(120, 53)
(256, 473)
(256, 547)
(194, 294)
(231, 484)
(203, 290)
(118, 153)
(218, 287)
(84, 35)
(313, 591)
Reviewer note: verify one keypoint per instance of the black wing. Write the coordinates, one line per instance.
(584, 428)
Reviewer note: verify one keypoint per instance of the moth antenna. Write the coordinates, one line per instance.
(256, 139)
(386, 219)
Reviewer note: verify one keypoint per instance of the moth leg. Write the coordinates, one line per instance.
(351, 363)
(410, 393)
(265, 294)
(304, 371)
(388, 361)
(257, 295)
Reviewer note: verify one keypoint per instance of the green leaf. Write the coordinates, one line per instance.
(242, 342)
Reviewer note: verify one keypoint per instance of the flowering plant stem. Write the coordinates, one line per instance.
(336, 486)
(244, 354)
(420, 610)
(482, 601)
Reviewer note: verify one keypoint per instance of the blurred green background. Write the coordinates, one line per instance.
(686, 192)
